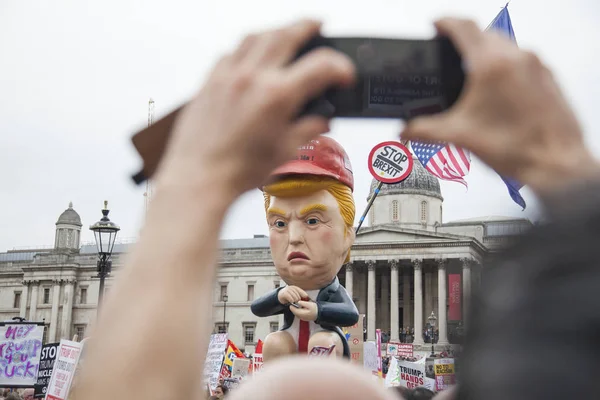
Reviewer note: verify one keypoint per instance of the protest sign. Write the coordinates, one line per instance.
(444, 373)
(47, 359)
(370, 359)
(393, 377)
(240, 368)
(67, 357)
(214, 359)
(20, 349)
(354, 335)
(405, 350)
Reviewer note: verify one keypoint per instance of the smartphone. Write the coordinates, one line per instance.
(397, 78)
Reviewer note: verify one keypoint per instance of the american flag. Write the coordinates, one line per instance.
(443, 160)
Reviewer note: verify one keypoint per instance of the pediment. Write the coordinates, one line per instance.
(396, 234)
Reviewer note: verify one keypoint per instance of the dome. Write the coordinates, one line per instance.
(69, 217)
(420, 181)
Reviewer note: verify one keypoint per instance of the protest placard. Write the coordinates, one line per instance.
(47, 359)
(354, 335)
(370, 359)
(20, 350)
(214, 359)
(444, 373)
(67, 357)
(240, 368)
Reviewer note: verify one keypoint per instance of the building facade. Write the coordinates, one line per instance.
(398, 274)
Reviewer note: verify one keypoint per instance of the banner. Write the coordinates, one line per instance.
(412, 375)
(354, 335)
(454, 297)
(47, 358)
(444, 373)
(257, 357)
(393, 377)
(20, 350)
(63, 371)
(214, 359)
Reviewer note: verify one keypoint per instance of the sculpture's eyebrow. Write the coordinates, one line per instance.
(276, 211)
(313, 207)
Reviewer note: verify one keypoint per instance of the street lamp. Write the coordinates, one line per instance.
(432, 320)
(225, 298)
(105, 233)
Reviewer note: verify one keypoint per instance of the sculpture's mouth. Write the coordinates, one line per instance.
(297, 255)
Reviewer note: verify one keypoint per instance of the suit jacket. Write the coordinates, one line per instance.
(335, 309)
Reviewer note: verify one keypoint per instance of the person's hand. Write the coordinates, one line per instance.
(511, 113)
(243, 123)
(308, 312)
(291, 294)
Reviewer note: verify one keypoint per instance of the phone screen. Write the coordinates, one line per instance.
(398, 78)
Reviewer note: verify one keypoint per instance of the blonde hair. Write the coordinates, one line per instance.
(304, 185)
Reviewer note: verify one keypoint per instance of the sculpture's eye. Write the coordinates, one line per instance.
(280, 224)
(312, 221)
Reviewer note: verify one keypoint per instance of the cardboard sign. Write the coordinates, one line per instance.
(67, 357)
(390, 162)
(47, 359)
(354, 335)
(240, 368)
(444, 373)
(405, 350)
(371, 361)
(214, 359)
(20, 350)
(257, 362)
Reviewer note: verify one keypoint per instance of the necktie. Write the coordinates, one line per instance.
(303, 337)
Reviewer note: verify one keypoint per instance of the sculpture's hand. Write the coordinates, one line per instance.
(308, 312)
(291, 294)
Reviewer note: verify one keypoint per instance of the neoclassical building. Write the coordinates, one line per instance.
(398, 274)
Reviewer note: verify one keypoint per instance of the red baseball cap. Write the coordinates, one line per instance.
(321, 157)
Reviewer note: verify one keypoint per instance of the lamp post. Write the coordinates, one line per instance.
(432, 320)
(225, 298)
(105, 233)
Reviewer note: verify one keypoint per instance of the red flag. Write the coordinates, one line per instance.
(454, 295)
(259, 346)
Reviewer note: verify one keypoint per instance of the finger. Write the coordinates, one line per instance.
(245, 47)
(434, 128)
(304, 304)
(321, 379)
(318, 71)
(305, 129)
(464, 34)
(303, 294)
(280, 45)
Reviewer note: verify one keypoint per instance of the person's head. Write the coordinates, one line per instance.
(310, 211)
(220, 391)
(28, 394)
(13, 396)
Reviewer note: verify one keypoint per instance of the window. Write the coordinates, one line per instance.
(45, 335)
(395, 213)
(223, 292)
(46, 295)
(423, 212)
(249, 333)
(221, 327)
(80, 331)
(250, 292)
(17, 302)
(274, 326)
(83, 296)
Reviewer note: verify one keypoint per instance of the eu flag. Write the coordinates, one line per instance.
(503, 24)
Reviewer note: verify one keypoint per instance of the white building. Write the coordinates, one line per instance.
(399, 269)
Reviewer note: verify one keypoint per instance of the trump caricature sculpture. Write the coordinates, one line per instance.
(310, 212)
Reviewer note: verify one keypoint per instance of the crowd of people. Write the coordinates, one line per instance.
(16, 394)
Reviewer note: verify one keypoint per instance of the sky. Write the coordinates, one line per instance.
(76, 77)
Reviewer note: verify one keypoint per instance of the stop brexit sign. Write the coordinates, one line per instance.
(390, 162)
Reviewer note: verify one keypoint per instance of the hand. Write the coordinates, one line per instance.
(291, 294)
(511, 113)
(308, 312)
(243, 123)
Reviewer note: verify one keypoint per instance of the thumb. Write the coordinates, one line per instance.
(432, 128)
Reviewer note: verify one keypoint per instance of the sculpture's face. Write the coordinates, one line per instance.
(309, 239)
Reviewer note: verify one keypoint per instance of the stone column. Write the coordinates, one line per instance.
(384, 303)
(417, 265)
(394, 322)
(349, 280)
(406, 295)
(371, 301)
(442, 299)
(428, 292)
(35, 288)
(466, 280)
(65, 329)
(23, 305)
(54, 314)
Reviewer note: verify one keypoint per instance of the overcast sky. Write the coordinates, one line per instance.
(76, 76)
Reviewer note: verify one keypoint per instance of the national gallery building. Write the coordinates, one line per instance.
(402, 266)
